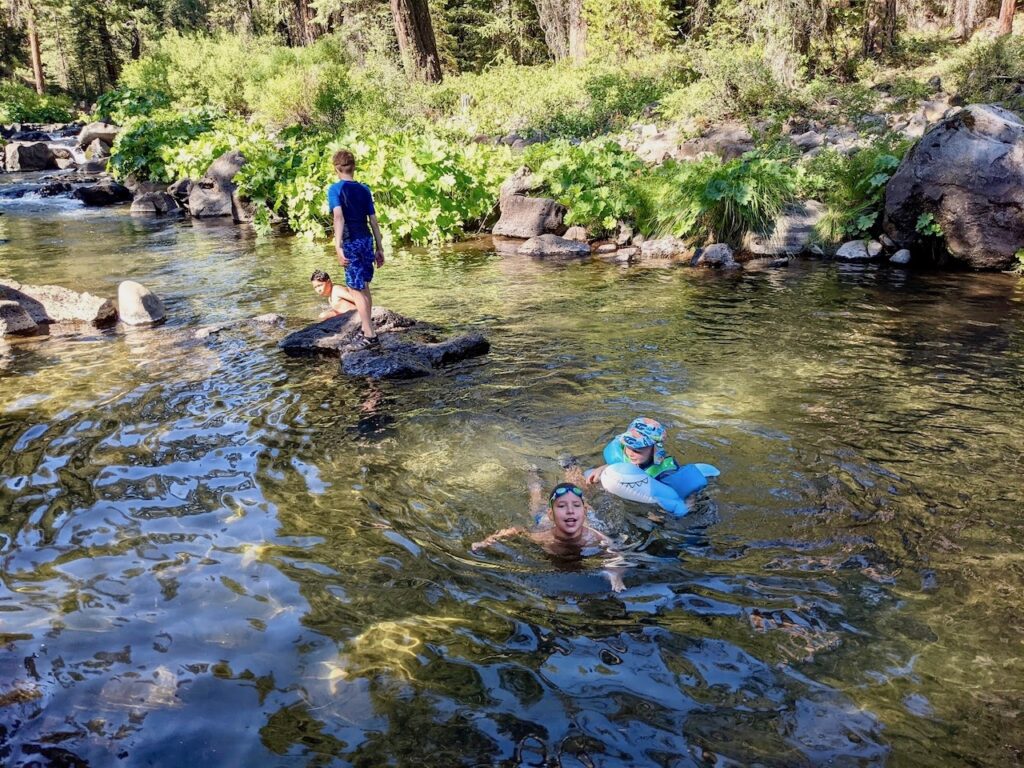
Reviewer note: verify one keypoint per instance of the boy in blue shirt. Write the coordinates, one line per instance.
(351, 206)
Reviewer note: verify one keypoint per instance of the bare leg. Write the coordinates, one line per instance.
(364, 304)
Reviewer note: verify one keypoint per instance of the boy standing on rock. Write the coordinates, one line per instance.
(351, 206)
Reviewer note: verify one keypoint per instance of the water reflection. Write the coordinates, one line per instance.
(214, 554)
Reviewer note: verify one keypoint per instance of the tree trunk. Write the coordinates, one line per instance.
(303, 31)
(565, 28)
(33, 46)
(110, 61)
(1006, 11)
(879, 26)
(416, 40)
(966, 17)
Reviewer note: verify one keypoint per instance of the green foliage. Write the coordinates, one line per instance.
(593, 180)
(727, 82)
(990, 71)
(927, 226)
(626, 28)
(148, 147)
(852, 188)
(123, 103)
(560, 101)
(849, 101)
(1018, 268)
(708, 197)
(20, 104)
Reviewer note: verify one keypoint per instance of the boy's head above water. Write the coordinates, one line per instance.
(568, 510)
(642, 441)
(321, 283)
(344, 162)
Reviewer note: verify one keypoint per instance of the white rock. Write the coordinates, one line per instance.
(137, 305)
(901, 256)
(716, 256)
(858, 250)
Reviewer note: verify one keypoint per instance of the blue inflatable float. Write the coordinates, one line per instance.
(668, 488)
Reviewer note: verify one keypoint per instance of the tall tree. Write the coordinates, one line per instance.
(565, 28)
(22, 14)
(879, 26)
(1006, 11)
(416, 40)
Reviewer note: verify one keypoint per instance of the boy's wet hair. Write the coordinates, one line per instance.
(344, 161)
(319, 276)
(563, 488)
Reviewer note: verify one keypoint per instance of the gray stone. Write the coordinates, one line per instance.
(36, 156)
(577, 233)
(98, 149)
(808, 140)
(137, 305)
(792, 232)
(886, 241)
(625, 234)
(665, 248)
(14, 319)
(105, 192)
(180, 190)
(966, 172)
(154, 202)
(105, 132)
(901, 257)
(54, 304)
(935, 109)
(553, 246)
(627, 254)
(215, 194)
(269, 320)
(526, 217)
(93, 166)
(605, 248)
(728, 141)
(716, 256)
(858, 250)
(407, 348)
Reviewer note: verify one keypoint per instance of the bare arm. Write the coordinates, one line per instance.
(595, 475)
(375, 226)
(504, 533)
(339, 234)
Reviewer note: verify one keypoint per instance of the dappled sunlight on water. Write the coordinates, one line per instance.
(213, 554)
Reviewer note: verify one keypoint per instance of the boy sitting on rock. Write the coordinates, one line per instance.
(337, 295)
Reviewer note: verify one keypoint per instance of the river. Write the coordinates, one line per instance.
(211, 554)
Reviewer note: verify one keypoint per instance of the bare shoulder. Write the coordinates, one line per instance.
(594, 538)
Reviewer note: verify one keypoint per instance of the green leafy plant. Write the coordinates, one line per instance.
(148, 146)
(927, 226)
(593, 180)
(1018, 268)
(695, 200)
(20, 104)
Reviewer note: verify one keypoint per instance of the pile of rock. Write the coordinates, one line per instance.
(31, 310)
(408, 349)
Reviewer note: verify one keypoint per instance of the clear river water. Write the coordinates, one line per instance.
(212, 554)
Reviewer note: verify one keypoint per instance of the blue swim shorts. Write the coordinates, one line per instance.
(360, 254)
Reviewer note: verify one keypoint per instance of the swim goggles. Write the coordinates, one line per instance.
(564, 489)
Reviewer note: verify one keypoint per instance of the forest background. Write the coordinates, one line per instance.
(442, 99)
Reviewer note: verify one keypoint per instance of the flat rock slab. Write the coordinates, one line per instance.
(269, 320)
(553, 246)
(54, 304)
(407, 349)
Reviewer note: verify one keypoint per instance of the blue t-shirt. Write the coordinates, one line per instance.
(356, 204)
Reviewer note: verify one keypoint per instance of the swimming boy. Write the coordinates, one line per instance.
(568, 534)
(337, 295)
(357, 239)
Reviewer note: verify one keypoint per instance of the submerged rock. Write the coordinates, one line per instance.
(968, 173)
(154, 202)
(901, 257)
(137, 305)
(54, 304)
(407, 349)
(105, 192)
(14, 319)
(554, 246)
(716, 256)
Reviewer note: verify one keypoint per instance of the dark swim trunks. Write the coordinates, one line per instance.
(360, 254)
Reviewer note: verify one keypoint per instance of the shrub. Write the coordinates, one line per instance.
(21, 104)
(852, 188)
(708, 197)
(991, 71)
(594, 181)
(124, 102)
(147, 147)
(731, 83)
(628, 28)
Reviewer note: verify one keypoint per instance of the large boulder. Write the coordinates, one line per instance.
(137, 305)
(54, 304)
(14, 319)
(104, 192)
(523, 216)
(407, 349)
(98, 149)
(968, 173)
(553, 246)
(215, 194)
(792, 232)
(35, 156)
(105, 132)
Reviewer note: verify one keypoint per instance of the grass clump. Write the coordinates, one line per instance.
(991, 71)
(21, 104)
